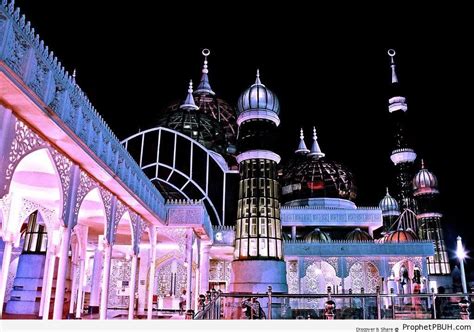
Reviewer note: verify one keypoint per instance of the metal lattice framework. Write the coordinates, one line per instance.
(180, 167)
(309, 177)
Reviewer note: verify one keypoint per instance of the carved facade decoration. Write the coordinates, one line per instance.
(25, 141)
(119, 290)
(86, 184)
(292, 277)
(63, 167)
(170, 279)
(219, 271)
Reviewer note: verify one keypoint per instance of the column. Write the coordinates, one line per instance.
(70, 221)
(96, 282)
(293, 233)
(151, 277)
(204, 269)
(189, 259)
(7, 255)
(74, 270)
(133, 278)
(104, 296)
(49, 285)
(82, 265)
(62, 271)
(44, 283)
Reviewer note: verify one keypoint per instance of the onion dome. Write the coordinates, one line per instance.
(302, 149)
(400, 236)
(312, 175)
(258, 102)
(317, 235)
(358, 235)
(188, 119)
(425, 182)
(389, 206)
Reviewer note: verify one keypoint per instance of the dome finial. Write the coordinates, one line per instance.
(391, 52)
(189, 103)
(388, 193)
(257, 80)
(302, 149)
(204, 86)
(315, 149)
(422, 164)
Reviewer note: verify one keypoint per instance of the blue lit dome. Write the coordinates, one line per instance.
(358, 235)
(317, 235)
(425, 181)
(389, 205)
(258, 98)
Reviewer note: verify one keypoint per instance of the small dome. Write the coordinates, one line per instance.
(317, 236)
(400, 236)
(425, 181)
(358, 235)
(389, 205)
(258, 98)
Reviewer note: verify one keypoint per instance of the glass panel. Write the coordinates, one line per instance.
(253, 247)
(263, 247)
(271, 247)
(271, 228)
(263, 227)
(237, 247)
(244, 248)
(245, 227)
(253, 227)
(279, 249)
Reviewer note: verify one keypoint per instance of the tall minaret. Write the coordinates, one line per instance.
(258, 255)
(425, 185)
(403, 155)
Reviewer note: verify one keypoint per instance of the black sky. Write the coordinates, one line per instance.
(132, 61)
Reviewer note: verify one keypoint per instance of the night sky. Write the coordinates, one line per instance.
(132, 61)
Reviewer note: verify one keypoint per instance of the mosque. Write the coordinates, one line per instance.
(97, 227)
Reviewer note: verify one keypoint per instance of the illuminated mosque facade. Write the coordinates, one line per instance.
(199, 201)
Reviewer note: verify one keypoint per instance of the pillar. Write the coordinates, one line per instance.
(44, 283)
(82, 268)
(133, 279)
(62, 272)
(7, 255)
(74, 286)
(204, 269)
(49, 284)
(70, 220)
(293, 233)
(96, 282)
(104, 296)
(189, 270)
(151, 277)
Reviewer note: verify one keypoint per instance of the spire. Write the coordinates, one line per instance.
(388, 194)
(204, 86)
(422, 164)
(257, 80)
(302, 149)
(391, 53)
(315, 149)
(189, 103)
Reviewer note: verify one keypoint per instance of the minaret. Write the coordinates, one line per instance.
(403, 155)
(425, 186)
(258, 254)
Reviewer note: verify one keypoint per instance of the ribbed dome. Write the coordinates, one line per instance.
(317, 235)
(306, 177)
(400, 236)
(389, 205)
(258, 98)
(425, 181)
(358, 235)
